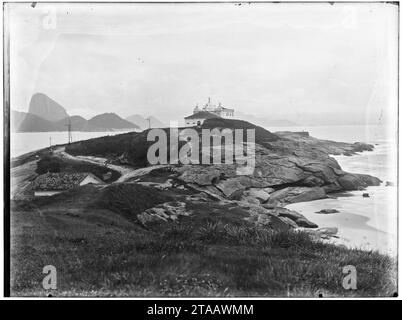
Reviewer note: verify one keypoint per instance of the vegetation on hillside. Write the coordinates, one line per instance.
(93, 237)
(55, 164)
(133, 147)
(96, 256)
(129, 200)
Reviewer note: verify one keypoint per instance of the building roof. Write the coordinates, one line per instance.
(61, 180)
(203, 115)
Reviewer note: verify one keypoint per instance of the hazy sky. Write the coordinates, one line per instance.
(262, 59)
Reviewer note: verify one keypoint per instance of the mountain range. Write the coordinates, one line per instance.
(45, 114)
(145, 123)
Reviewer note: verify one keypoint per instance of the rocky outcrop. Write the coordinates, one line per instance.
(350, 181)
(231, 188)
(289, 168)
(285, 163)
(327, 146)
(264, 215)
(296, 194)
(294, 216)
(262, 195)
(201, 175)
(167, 211)
(327, 211)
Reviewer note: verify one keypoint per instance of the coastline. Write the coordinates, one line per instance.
(362, 223)
(232, 225)
(359, 224)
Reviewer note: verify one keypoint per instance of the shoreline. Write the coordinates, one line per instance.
(362, 223)
(347, 221)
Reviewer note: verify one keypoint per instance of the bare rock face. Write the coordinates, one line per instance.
(296, 194)
(164, 212)
(231, 188)
(325, 233)
(327, 211)
(285, 162)
(43, 106)
(204, 175)
(249, 199)
(259, 194)
(350, 181)
(294, 216)
(273, 222)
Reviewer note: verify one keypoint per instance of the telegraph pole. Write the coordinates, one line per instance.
(149, 122)
(70, 138)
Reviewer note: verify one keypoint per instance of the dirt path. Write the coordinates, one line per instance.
(125, 171)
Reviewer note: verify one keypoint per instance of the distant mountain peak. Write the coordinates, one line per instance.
(43, 106)
(111, 120)
(144, 123)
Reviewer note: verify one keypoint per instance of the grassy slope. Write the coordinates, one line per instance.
(47, 164)
(100, 252)
(98, 249)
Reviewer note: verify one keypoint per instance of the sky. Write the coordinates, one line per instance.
(269, 60)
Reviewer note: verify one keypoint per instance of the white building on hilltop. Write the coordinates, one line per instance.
(207, 112)
(219, 110)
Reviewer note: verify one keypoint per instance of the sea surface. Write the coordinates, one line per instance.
(23, 142)
(366, 223)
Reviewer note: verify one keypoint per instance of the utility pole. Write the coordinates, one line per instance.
(70, 138)
(149, 122)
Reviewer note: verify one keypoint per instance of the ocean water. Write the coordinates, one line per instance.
(23, 142)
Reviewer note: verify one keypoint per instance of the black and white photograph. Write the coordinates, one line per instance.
(201, 150)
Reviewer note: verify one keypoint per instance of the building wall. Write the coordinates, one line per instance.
(225, 114)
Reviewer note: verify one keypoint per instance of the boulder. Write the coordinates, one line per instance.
(289, 222)
(327, 232)
(201, 175)
(327, 211)
(298, 218)
(368, 180)
(269, 205)
(231, 188)
(297, 194)
(249, 199)
(360, 147)
(274, 223)
(313, 181)
(259, 194)
(255, 209)
(269, 190)
(164, 212)
(211, 191)
(351, 181)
